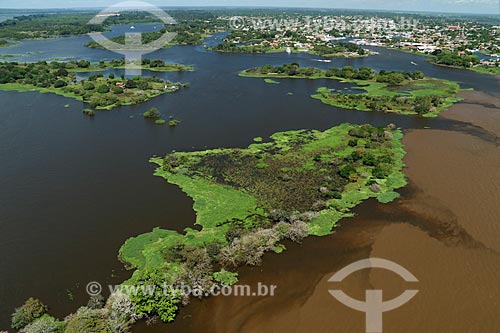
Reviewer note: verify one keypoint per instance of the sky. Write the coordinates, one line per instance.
(461, 6)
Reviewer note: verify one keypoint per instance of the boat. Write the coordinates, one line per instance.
(288, 50)
(323, 60)
(414, 63)
(132, 27)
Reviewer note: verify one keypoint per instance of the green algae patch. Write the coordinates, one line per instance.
(247, 201)
(271, 81)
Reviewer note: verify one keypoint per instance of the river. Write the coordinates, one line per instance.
(74, 189)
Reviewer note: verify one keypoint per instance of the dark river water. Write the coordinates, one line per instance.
(73, 189)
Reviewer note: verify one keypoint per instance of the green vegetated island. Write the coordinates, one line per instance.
(255, 41)
(388, 91)
(247, 201)
(98, 91)
(465, 60)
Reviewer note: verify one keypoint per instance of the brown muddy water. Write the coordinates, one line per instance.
(445, 229)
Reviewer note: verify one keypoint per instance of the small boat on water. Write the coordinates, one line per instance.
(323, 60)
(288, 50)
(414, 63)
(132, 27)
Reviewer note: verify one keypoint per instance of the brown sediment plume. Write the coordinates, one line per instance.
(478, 108)
(445, 229)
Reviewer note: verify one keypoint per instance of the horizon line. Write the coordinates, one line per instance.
(266, 7)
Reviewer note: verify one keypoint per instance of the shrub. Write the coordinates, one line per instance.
(250, 248)
(87, 320)
(60, 84)
(88, 86)
(225, 277)
(116, 90)
(121, 311)
(44, 324)
(346, 171)
(26, 314)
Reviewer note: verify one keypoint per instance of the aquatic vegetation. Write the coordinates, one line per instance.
(173, 122)
(271, 81)
(160, 121)
(386, 91)
(248, 200)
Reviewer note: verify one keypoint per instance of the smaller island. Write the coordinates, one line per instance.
(98, 91)
(408, 93)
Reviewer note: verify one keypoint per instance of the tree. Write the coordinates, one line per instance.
(423, 104)
(62, 72)
(88, 86)
(163, 303)
(60, 84)
(102, 89)
(83, 64)
(26, 314)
